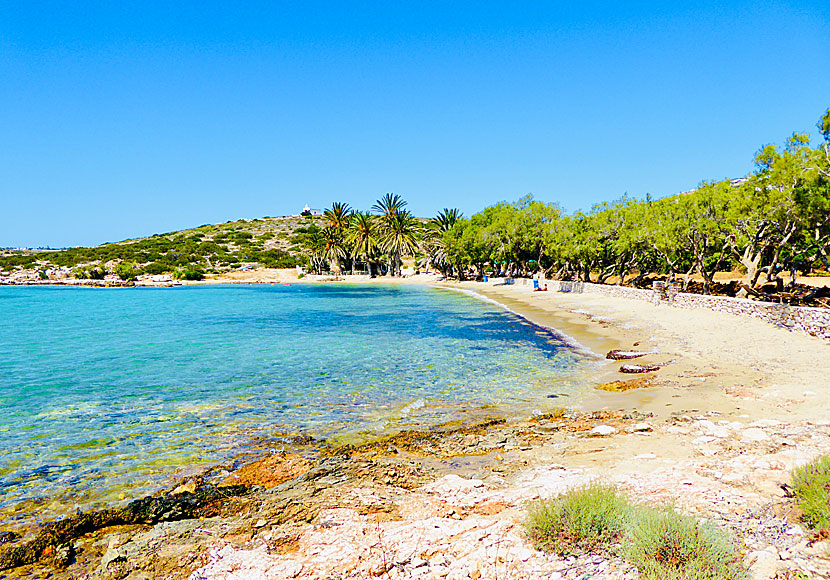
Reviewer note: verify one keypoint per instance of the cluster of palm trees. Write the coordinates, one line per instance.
(383, 236)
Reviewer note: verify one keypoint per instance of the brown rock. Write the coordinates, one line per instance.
(270, 471)
(622, 386)
(490, 508)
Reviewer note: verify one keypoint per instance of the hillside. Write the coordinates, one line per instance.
(273, 242)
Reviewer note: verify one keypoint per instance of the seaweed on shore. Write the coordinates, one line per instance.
(55, 539)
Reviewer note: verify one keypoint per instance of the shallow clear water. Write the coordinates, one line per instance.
(106, 392)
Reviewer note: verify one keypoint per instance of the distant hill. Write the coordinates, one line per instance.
(271, 242)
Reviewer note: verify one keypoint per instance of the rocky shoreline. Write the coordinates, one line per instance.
(450, 503)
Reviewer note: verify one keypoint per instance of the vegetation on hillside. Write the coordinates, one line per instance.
(271, 242)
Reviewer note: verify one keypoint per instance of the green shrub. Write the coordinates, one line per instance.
(14, 260)
(90, 273)
(156, 268)
(811, 486)
(582, 520)
(128, 271)
(664, 545)
(189, 274)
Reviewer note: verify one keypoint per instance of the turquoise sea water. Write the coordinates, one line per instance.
(108, 393)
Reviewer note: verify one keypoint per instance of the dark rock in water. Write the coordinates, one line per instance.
(6, 537)
(625, 354)
(53, 542)
(639, 368)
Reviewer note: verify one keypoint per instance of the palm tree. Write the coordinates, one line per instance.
(338, 216)
(389, 205)
(337, 220)
(362, 237)
(434, 240)
(333, 248)
(315, 245)
(399, 236)
(446, 219)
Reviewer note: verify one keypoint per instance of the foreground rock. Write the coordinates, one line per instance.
(54, 542)
(451, 504)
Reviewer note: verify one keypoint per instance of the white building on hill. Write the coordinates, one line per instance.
(314, 212)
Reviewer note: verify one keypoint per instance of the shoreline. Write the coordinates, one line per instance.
(721, 434)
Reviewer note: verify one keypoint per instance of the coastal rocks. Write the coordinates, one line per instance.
(51, 542)
(626, 354)
(270, 471)
(453, 484)
(764, 564)
(472, 438)
(754, 435)
(602, 431)
(627, 385)
(634, 369)
(58, 555)
(114, 553)
(388, 513)
(7, 537)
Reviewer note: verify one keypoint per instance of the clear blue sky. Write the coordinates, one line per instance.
(122, 119)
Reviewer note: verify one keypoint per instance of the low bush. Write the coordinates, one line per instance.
(582, 520)
(665, 545)
(662, 544)
(156, 268)
(189, 274)
(128, 271)
(811, 487)
(90, 273)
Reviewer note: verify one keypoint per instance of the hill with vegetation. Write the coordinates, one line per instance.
(273, 242)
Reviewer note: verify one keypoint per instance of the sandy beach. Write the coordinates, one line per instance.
(736, 404)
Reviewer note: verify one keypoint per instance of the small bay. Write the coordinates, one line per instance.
(108, 394)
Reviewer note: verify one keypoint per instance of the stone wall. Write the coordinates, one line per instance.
(812, 321)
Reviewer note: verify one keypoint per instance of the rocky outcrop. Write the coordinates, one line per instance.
(54, 541)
